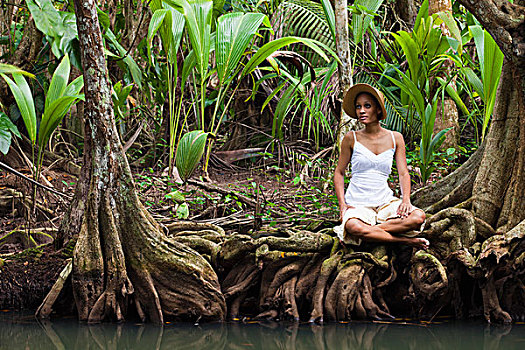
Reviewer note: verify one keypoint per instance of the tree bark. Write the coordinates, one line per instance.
(346, 123)
(407, 11)
(121, 254)
(498, 193)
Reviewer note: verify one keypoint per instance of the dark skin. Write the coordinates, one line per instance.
(378, 140)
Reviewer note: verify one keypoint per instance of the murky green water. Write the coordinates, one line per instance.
(19, 331)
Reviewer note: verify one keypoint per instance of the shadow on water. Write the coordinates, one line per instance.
(19, 331)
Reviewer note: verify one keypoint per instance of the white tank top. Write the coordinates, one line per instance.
(369, 183)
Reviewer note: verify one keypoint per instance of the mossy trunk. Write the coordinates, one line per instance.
(499, 188)
(122, 257)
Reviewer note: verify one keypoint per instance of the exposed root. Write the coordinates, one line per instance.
(283, 275)
(428, 275)
(372, 309)
(289, 304)
(328, 266)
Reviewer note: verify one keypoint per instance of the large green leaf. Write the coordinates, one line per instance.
(198, 15)
(52, 117)
(407, 86)
(234, 33)
(47, 19)
(329, 16)
(491, 62)
(411, 51)
(74, 87)
(268, 48)
(134, 69)
(6, 129)
(154, 25)
(492, 72)
(9, 69)
(58, 81)
(189, 152)
(24, 101)
(421, 14)
(306, 19)
(361, 22)
(475, 81)
(452, 26)
(451, 91)
(5, 140)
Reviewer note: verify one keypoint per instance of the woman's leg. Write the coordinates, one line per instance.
(402, 225)
(359, 229)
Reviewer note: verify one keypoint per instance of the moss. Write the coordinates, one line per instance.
(67, 251)
(29, 254)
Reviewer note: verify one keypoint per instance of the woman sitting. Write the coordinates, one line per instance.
(368, 210)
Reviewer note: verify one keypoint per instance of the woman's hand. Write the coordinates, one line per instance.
(342, 210)
(404, 209)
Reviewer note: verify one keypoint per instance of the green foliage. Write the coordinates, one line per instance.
(175, 196)
(10, 69)
(119, 95)
(306, 19)
(491, 62)
(183, 211)
(425, 49)
(429, 144)
(189, 152)
(24, 100)
(132, 66)
(6, 129)
(169, 23)
(60, 97)
(59, 27)
(234, 33)
(363, 12)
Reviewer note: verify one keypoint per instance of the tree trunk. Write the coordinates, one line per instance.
(498, 193)
(499, 188)
(407, 11)
(121, 254)
(346, 123)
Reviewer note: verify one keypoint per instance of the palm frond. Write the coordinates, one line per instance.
(303, 18)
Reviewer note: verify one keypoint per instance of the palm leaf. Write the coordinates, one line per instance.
(277, 44)
(492, 69)
(9, 69)
(58, 81)
(361, 23)
(198, 15)
(189, 152)
(53, 115)
(154, 25)
(306, 19)
(24, 101)
(233, 35)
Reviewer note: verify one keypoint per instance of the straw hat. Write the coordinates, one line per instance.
(351, 94)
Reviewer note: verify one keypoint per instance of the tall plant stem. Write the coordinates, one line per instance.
(214, 131)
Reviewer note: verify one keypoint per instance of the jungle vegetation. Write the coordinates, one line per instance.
(178, 97)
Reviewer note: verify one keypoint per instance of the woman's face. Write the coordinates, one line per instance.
(366, 109)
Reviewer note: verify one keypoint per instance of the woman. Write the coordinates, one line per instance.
(368, 210)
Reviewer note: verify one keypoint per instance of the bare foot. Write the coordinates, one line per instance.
(418, 242)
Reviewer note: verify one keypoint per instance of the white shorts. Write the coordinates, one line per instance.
(371, 216)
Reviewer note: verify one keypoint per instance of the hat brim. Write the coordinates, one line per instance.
(350, 96)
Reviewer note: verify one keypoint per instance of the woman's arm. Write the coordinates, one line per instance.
(339, 175)
(404, 176)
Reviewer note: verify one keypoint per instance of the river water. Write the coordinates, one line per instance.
(22, 331)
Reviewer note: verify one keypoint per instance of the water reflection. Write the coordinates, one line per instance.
(23, 332)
